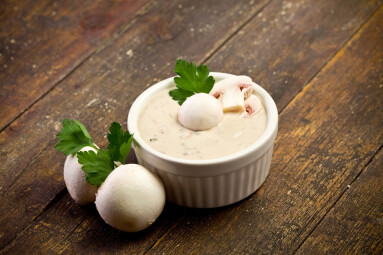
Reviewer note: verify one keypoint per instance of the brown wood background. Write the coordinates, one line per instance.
(322, 61)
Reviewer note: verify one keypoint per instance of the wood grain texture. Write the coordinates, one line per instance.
(327, 135)
(42, 41)
(285, 45)
(355, 224)
(69, 228)
(104, 87)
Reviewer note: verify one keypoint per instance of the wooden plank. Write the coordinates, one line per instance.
(112, 73)
(49, 235)
(53, 179)
(286, 44)
(355, 224)
(105, 86)
(43, 41)
(327, 134)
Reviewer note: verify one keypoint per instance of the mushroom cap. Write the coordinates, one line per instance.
(200, 112)
(131, 198)
(75, 180)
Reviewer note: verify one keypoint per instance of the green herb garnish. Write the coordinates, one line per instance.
(119, 142)
(73, 137)
(191, 80)
(97, 165)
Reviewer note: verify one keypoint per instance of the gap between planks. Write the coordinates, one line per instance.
(209, 56)
(141, 12)
(340, 196)
(214, 51)
(50, 204)
(32, 161)
(358, 31)
(158, 240)
(332, 58)
(105, 43)
(124, 28)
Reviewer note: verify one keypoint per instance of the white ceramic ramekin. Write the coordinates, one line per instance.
(214, 182)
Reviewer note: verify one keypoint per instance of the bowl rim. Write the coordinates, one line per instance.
(267, 137)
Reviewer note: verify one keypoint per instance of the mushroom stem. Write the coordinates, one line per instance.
(232, 100)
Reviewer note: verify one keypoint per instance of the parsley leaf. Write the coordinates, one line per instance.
(119, 142)
(96, 166)
(191, 80)
(73, 137)
(83, 128)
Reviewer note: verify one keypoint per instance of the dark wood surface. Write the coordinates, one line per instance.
(322, 61)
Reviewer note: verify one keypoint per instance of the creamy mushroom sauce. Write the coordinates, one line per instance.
(159, 127)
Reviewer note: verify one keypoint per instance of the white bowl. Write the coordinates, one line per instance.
(213, 182)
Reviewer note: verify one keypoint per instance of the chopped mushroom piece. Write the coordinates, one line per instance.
(232, 92)
(252, 105)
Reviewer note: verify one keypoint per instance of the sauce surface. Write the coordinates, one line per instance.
(160, 129)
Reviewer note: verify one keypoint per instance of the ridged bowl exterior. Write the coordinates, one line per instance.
(214, 191)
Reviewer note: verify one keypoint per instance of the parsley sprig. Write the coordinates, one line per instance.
(191, 80)
(97, 165)
(119, 142)
(73, 137)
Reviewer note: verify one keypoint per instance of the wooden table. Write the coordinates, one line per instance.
(322, 62)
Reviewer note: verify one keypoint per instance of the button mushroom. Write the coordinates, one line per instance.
(200, 112)
(75, 180)
(232, 92)
(131, 198)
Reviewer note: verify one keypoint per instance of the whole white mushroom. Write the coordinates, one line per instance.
(131, 198)
(75, 180)
(200, 112)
